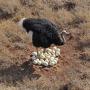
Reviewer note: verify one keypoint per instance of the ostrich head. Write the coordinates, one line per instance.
(20, 24)
(63, 35)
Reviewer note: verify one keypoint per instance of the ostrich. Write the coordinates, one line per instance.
(43, 32)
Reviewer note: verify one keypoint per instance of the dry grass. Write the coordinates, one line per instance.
(16, 74)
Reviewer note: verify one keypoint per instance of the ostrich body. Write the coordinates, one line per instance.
(43, 32)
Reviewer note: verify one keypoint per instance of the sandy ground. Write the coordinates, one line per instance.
(71, 72)
(73, 69)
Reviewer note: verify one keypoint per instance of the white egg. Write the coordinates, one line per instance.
(45, 63)
(34, 53)
(54, 55)
(41, 50)
(52, 63)
(33, 57)
(42, 56)
(55, 48)
(35, 62)
(41, 59)
(46, 54)
(48, 50)
(58, 49)
(52, 58)
(56, 59)
(49, 54)
(46, 60)
(48, 57)
(39, 62)
(53, 51)
(57, 53)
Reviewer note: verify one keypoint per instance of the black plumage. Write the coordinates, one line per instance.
(45, 32)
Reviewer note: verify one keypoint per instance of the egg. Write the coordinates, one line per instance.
(45, 63)
(52, 58)
(48, 50)
(52, 63)
(42, 56)
(41, 50)
(54, 55)
(46, 60)
(42, 61)
(35, 62)
(56, 59)
(58, 49)
(49, 54)
(34, 53)
(39, 62)
(48, 57)
(57, 53)
(53, 51)
(33, 57)
(54, 48)
(46, 54)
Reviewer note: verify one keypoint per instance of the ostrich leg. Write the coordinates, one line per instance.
(37, 52)
(44, 50)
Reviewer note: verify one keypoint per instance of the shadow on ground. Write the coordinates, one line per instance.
(84, 46)
(69, 86)
(15, 73)
(84, 57)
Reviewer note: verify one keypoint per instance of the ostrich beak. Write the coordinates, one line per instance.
(66, 35)
(65, 32)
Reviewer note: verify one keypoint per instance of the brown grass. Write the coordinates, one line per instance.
(16, 71)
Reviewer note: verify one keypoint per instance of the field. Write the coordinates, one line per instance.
(73, 69)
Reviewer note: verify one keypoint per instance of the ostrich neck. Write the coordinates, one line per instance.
(30, 35)
(63, 38)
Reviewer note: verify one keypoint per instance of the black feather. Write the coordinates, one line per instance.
(45, 32)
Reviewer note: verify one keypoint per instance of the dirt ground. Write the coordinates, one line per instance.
(73, 69)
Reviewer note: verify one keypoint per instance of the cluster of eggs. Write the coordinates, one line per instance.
(47, 58)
